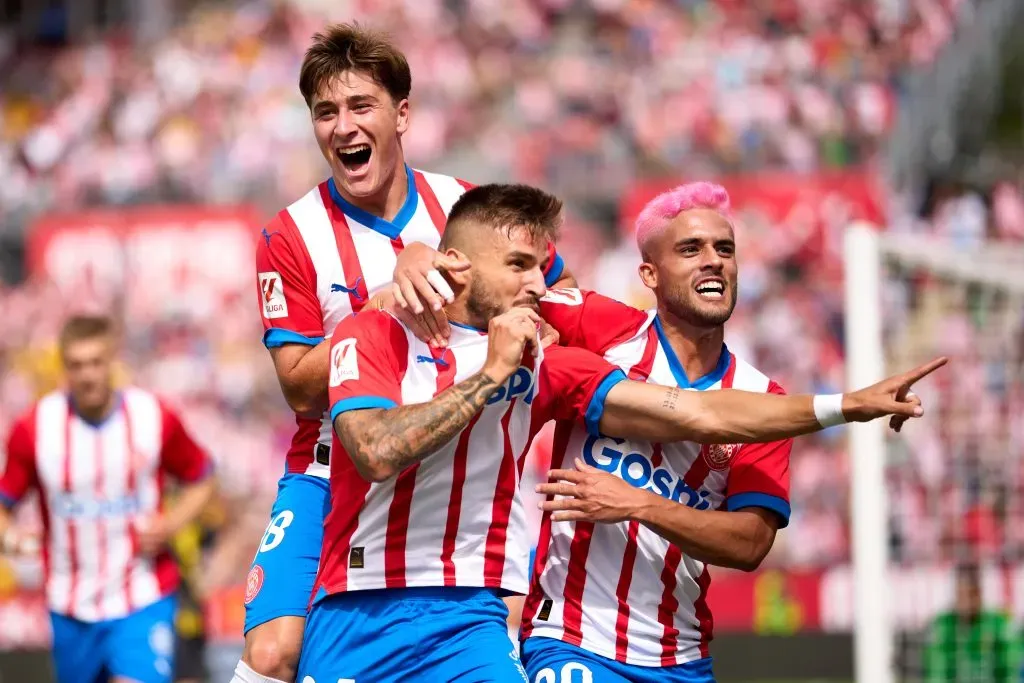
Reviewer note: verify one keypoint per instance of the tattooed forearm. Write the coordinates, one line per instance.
(671, 398)
(382, 443)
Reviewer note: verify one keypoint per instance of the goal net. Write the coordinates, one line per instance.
(937, 511)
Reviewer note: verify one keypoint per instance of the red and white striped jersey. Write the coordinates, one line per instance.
(95, 483)
(455, 518)
(621, 590)
(321, 259)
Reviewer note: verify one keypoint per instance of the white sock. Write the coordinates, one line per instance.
(244, 674)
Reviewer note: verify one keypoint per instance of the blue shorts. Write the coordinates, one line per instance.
(139, 646)
(552, 661)
(281, 577)
(410, 634)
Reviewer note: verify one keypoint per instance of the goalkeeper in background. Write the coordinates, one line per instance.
(970, 644)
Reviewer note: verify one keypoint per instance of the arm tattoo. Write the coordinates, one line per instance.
(671, 397)
(393, 439)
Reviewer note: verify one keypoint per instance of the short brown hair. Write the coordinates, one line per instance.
(80, 327)
(350, 47)
(505, 206)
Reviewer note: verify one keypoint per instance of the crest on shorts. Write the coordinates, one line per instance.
(253, 583)
(719, 455)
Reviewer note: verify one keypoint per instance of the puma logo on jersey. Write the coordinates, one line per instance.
(353, 290)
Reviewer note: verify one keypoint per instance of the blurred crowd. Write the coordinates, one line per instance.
(582, 97)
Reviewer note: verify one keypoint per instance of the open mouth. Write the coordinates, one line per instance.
(356, 157)
(713, 290)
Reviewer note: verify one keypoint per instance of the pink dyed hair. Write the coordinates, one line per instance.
(664, 208)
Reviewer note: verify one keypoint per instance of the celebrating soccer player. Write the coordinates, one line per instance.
(427, 529)
(621, 581)
(318, 261)
(98, 457)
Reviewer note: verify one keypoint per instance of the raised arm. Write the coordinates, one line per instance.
(382, 441)
(656, 413)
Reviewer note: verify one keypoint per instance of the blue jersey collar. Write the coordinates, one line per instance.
(676, 367)
(391, 229)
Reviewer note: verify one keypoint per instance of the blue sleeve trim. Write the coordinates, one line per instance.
(595, 410)
(555, 270)
(760, 500)
(277, 336)
(360, 403)
(7, 501)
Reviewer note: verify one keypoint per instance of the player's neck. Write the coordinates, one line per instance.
(698, 348)
(95, 414)
(384, 204)
(458, 314)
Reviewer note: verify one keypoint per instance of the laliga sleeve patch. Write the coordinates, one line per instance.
(568, 297)
(272, 295)
(344, 365)
(253, 583)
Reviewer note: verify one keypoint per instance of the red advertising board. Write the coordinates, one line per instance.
(175, 257)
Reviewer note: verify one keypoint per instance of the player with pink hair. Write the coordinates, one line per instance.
(621, 578)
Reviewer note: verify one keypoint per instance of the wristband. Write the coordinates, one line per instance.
(828, 409)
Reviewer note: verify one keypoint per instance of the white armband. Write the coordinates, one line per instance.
(828, 409)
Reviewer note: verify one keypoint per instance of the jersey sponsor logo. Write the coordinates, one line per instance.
(272, 294)
(253, 583)
(636, 469)
(522, 383)
(79, 507)
(268, 235)
(344, 365)
(719, 455)
(568, 297)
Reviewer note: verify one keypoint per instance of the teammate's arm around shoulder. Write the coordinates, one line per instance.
(382, 437)
(657, 413)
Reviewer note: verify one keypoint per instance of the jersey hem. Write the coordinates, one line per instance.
(135, 610)
(681, 657)
(515, 588)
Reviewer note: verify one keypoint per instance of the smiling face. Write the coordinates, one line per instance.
(359, 129)
(691, 267)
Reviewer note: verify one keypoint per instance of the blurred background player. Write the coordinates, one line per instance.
(322, 259)
(971, 642)
(98, 457)
(632, 533)
(427, 527)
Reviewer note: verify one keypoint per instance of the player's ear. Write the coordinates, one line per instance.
(402, 116)
(648, 275)
(459, 277)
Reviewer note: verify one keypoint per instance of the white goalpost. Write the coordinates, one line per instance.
(949, 490)
(865, 364)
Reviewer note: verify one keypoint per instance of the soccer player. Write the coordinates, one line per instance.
(328, 255)
(427, 528)
(621, 578)
(98, 458)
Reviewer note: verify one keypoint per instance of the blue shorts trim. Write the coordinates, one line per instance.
(139, 646)
(549, 659)
(413, 634)
(281, 577)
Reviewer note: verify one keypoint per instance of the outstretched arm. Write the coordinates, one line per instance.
(656, 413)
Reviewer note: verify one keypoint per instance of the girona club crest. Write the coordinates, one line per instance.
(253, 583)
(719, 455)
